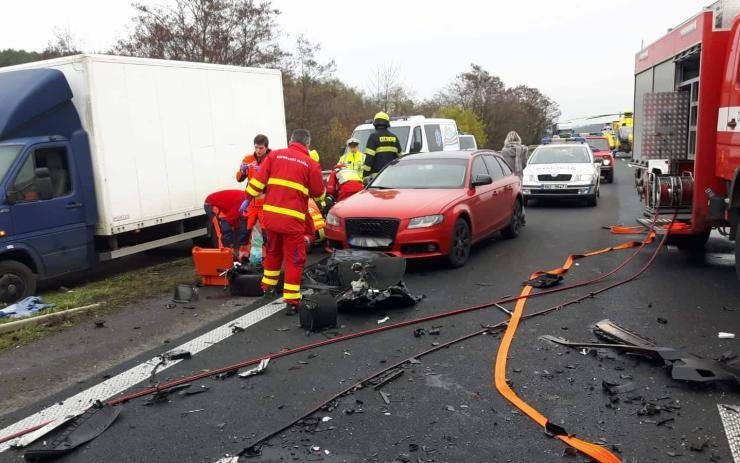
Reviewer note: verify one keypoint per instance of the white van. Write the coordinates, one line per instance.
(417, 134)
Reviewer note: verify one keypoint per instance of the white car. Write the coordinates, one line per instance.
(565, 171)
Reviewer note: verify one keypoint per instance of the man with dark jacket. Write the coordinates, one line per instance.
(382, 146)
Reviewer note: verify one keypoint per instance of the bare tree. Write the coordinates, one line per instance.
(62, 43)
(239, 32)
(386, 90)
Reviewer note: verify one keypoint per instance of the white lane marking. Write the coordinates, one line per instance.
(123, 381)
(731, 420)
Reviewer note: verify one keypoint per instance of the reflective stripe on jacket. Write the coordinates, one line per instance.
(382, 147)
(354, 161)
(292, 177)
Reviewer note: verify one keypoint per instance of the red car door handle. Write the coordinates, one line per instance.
(508, 187)
(495, 192)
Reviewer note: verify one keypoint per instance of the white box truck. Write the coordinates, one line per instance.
(105, 156)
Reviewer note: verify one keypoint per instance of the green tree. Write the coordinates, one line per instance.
(11, 57)
(467, 121)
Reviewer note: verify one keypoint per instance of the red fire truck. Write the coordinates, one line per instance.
(687, 127)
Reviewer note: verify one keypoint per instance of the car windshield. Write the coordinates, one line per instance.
(422, 174)
(8, 153)
(598, 144)
(559, 155)
(401, 132)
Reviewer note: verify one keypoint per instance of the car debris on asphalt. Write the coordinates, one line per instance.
(256, 370)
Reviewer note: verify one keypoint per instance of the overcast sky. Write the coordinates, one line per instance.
(578, 52)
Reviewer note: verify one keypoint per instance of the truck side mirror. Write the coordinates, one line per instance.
(415, 147)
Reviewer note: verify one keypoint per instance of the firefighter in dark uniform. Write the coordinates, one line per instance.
(382, 145)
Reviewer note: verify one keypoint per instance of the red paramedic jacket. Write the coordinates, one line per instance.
(228, 202)
(288, 178)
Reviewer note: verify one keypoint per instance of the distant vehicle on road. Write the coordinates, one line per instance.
(417, 134)
(603, 155)
(435, 204)
(565, 171)
(467, 142)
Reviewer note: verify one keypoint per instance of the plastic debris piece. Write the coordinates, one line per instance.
(383, 320)
(178, 354)
(614, 388)
(226, 374)
(256, 370)
(723, 335)
(386, 398)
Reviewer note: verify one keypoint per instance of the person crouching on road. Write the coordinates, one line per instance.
(225, 220)
(353, 157)
(291, 177)
(343, 182)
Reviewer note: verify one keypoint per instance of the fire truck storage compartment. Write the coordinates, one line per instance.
(666, 109)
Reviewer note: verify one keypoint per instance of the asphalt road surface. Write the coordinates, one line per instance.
(445, 408)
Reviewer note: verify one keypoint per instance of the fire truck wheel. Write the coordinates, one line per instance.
(689, 243)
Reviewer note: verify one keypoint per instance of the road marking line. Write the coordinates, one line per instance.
(731, 420)
(125, 380)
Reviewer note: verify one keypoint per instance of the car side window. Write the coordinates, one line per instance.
(434, 137)
(416, 141)
(479, 168)
(493, 167)
(504, 166)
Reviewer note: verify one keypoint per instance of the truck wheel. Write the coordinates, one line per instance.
(17, 281)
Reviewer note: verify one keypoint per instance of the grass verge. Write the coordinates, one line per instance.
(111, 293)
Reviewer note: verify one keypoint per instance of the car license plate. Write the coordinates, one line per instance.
(369, 242)
(557, 186)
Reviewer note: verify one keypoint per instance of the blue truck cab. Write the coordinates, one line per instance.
(47, 199)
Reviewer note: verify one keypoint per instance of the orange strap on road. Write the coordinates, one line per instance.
(597, 452)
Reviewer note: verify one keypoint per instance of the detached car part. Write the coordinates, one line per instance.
(683, 365)
(80, 430)
(353, 280)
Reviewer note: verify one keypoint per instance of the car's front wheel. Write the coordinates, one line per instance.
(593, 200)
(461, 242)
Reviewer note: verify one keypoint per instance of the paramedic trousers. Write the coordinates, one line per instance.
(288, 249)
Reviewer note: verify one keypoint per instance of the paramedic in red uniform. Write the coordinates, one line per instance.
(222, 209)
(247, 170)
(289, 177)
(343, 182)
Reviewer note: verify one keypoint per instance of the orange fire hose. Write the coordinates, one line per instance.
(597, 452)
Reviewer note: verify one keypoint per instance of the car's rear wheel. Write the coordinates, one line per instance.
(461, 242)
(517, 220)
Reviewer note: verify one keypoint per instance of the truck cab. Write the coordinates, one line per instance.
(47, 213)
(417, 134)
